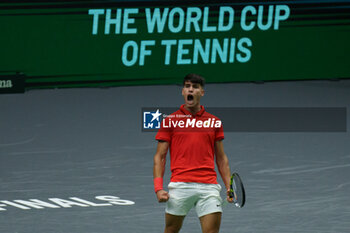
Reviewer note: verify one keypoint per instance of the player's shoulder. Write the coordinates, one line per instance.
(209, 115)
(177, 112)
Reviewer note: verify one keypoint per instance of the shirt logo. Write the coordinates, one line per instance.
(152, 120)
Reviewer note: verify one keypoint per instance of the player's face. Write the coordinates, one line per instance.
(192, 93)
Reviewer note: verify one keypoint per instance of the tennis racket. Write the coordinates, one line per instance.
(237, 190)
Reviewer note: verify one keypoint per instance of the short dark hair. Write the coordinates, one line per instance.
(194, 78)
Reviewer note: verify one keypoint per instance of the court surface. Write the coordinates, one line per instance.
(69, 147)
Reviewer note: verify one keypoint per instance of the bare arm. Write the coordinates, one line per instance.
(159, 167)
(160, 159)
(223, 166)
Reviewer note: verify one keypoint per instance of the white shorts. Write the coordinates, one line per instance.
(183, 196)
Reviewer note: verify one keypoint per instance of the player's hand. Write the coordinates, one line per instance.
(162, 196)
(229, 199)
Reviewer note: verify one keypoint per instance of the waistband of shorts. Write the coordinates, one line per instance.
(190, 185)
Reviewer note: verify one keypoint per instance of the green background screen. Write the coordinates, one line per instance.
(111, 43)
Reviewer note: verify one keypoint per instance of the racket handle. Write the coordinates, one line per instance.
(231, 195)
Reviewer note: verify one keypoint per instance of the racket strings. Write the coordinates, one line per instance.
(237, 191)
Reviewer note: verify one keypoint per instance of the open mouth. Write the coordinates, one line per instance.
(190, 97)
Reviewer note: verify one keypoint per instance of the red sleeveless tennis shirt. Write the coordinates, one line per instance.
(191, 139)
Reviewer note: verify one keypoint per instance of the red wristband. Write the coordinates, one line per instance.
(158, 184)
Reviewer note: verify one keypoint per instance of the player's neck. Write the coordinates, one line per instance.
(193, 110)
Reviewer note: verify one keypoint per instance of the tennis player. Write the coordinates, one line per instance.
(195, 140)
